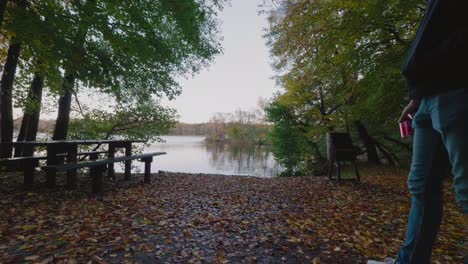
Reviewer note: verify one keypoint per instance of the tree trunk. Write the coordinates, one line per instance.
(24, 127)
(369, 144)
(6, 86)
(3, 4)
(30, 122)
(63, 117)
(38, 85)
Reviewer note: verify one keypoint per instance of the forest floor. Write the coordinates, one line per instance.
(188, 218)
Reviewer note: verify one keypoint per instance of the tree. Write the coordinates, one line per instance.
(239, 128)
(30, 121)
(289, 144)
(130, 50)
(6, 86)
(138, 53)
(27, 31)
(340, 66)
(143, 120)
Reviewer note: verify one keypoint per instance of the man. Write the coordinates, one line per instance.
(436, 71)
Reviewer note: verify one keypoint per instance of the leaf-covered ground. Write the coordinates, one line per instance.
(218, 219)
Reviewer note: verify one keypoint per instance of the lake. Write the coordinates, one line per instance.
(191, 154)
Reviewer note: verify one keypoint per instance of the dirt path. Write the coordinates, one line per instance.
(221, 219)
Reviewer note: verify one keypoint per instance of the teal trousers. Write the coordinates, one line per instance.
(440, 140)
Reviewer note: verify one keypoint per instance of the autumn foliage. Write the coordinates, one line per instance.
(219, 219)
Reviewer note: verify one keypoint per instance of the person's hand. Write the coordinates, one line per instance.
(410, 108)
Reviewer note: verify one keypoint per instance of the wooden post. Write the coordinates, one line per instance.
(96, 175)
(128, 163)
(27, 150)
(28, 170)
(330, 154)
(93, 156)
(330, 169)
(357, 172)
(51, 160)
(338, 170)
(72, 150)
(147, 169)
(110, 166)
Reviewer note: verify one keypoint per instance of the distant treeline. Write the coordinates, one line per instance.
(240, 127)
(44, 125)
(180, 129)
(209, 129)
(185, 129)
(229, 132)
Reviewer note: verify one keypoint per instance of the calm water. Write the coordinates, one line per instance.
(191, 154)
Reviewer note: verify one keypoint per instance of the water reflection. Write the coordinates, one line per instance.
(257, 160)
(193, 155)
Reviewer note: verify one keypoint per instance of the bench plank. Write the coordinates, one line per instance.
(60, 155)
(90, 164)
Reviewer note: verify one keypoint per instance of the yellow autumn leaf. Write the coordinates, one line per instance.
(29, 227)
(32, 258)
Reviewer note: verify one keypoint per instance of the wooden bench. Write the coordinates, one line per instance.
(28, 163)
(97, 167)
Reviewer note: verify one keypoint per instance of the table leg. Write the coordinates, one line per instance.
(356, 171)
(27, 151)
(128, 163)
(338, 170)
(96, 176)
(93, 157)
(72, 153)
(147, 169)
(111, 155)
(28, 170)
(330, 168)
(6, 149)
(51, 160)
(28, 167)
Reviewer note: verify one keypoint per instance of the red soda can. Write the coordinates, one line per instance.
(406, 129)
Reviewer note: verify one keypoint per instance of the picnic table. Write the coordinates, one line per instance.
(55, 149)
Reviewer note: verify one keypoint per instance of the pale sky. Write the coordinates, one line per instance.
(238, 77)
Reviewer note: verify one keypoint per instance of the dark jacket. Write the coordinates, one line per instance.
(438, 58)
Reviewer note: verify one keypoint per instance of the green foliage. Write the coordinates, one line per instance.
(287, 141)
(247, 134)
(239, 128)
(145, 120)
(132, 51)
(125, 48)
(340, 62)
